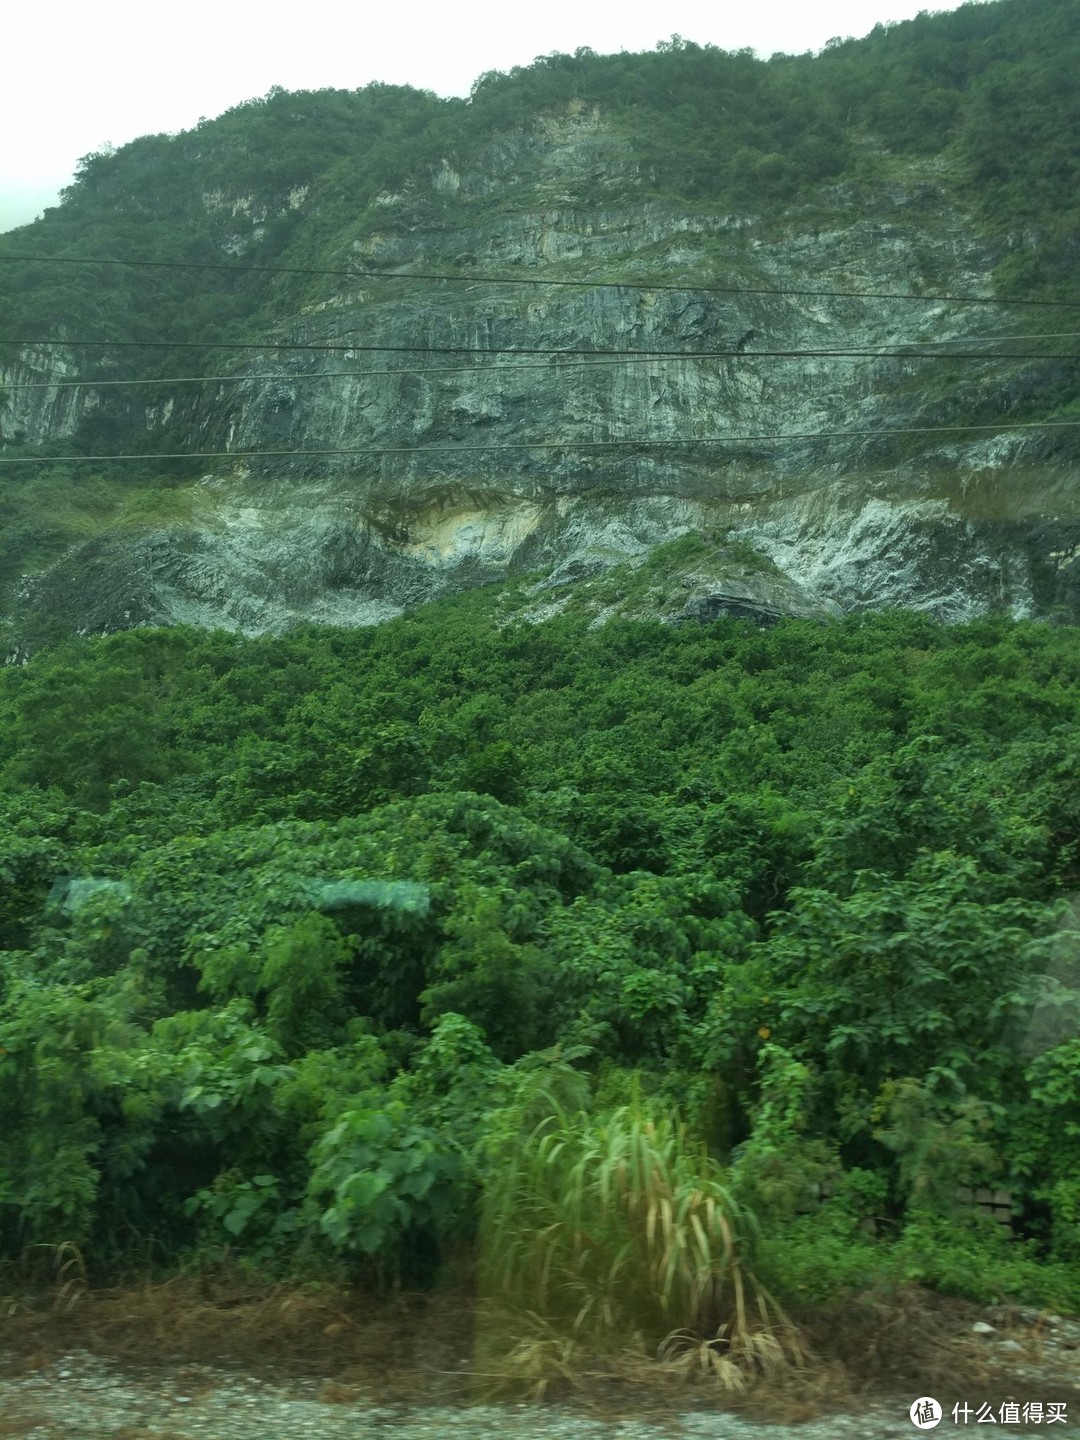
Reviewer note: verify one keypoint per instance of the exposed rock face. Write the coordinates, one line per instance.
(38, 408)
(490, 480)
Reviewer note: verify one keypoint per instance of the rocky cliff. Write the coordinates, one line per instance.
(485, 468)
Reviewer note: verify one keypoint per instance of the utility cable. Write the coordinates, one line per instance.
(522, 280)
(289, 378)
(993, 339)
(640, 444)
(353, 349)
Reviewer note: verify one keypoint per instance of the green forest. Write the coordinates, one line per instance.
(626, 971)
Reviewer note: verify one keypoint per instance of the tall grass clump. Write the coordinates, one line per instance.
(614, 1235)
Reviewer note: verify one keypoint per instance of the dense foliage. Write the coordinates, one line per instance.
(302, 937)
(383, 951)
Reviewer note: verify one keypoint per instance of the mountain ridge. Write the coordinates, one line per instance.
(954, 524)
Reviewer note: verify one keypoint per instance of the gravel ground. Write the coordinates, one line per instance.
(79, 1395)
(82, 1397)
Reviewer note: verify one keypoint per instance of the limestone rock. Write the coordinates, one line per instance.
(463, 470)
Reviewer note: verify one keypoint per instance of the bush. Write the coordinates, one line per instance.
(617, 1227)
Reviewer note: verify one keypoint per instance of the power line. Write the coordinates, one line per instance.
(353, 349)
(500, 369)
(638, 444)
(326, 374)
(993, 339)
(520, 280)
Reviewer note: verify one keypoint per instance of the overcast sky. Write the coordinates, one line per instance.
(78, 76)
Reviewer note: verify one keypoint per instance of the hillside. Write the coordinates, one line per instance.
(698, 201)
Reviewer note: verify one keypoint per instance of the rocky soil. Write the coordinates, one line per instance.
(81, 1395)
(1028, 1356)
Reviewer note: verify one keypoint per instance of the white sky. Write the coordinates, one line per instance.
(82, 75)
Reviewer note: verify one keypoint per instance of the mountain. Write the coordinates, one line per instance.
(277, 296)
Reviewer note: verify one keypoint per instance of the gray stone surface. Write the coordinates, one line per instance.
(952, 524)
(84, 1395)
(81, 1395)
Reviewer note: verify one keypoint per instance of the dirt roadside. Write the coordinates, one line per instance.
(188, 1361)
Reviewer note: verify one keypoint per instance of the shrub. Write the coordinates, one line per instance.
(611, 1229)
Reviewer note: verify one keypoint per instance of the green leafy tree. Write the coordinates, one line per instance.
(381, 1184)
(1046, 1144)
(501, 983)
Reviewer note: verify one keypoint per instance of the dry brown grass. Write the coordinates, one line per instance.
(392, 1347)
(545, 1364)
(908, 1337)
(423, 1348)
(14, 1425)
(917, 1342)
(332, 1392)
(139, 1432)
